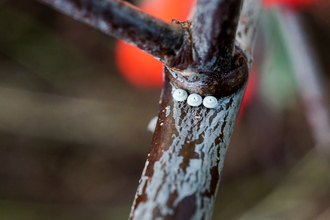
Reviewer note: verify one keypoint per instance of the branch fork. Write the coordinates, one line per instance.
(186, 157)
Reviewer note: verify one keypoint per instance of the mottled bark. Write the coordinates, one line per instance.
(182, 173)
(213, 32)
(126, 22)
(247, 27)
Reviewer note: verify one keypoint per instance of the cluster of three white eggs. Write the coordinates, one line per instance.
(194, 99)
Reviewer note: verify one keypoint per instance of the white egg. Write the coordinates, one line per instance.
(194, 100)
(180, 95)
(152, 124)
(210, 102)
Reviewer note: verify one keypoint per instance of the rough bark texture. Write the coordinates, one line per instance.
(126, 22)
(183, 170)
(215, 83)
(247, 27)
(185, 160)
(213, 32)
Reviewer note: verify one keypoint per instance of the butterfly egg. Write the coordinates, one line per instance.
(180, 95)
(194, 100)
(210, 102)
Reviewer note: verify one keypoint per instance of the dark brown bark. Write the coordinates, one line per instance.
(187, 154)
(215, 83)
(126, 22)
(213, 32)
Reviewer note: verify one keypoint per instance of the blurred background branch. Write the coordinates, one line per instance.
(308, 75)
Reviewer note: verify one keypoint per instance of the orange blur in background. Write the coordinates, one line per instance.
(138, 67)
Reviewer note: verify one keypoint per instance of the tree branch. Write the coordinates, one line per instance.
(186, 157)
(214, 30)
(126, 22)
(247, 27)
(183, 170)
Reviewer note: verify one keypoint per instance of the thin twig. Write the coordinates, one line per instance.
(213, 31)
(126, 22)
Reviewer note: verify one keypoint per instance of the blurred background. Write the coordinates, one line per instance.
(74, 113)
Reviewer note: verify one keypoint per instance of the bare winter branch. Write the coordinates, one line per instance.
(126, 22)
(214, 30)
(185, 160)
(247, 26)
(183, 170)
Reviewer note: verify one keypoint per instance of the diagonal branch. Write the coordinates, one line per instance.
(214, 30)
(308, 75)
(126, 22)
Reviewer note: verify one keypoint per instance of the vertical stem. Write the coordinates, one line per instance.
(214, 30)
(182, 173)
(247, 27)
